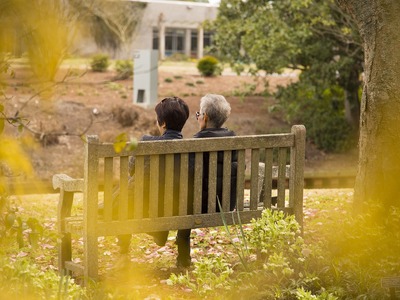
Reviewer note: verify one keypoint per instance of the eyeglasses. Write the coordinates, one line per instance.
(198, 114)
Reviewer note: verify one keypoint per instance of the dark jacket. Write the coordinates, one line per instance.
(168, 135)
(210, 133)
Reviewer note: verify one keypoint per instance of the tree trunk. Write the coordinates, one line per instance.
(379, 143)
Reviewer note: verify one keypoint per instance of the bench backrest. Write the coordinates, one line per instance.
(168, 179)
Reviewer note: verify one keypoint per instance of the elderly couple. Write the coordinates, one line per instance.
(172, 114)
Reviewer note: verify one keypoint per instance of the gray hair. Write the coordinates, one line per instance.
(217, 109)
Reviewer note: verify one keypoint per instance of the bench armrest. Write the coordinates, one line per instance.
(67, 184)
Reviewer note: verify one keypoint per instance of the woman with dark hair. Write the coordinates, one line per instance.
(172, 113)
(214, 111)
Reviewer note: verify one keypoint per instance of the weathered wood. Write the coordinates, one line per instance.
(212, 144)
(167, 174)
(296, 184)
(68, 184)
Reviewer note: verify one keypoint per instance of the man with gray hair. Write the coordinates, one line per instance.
(214, 111)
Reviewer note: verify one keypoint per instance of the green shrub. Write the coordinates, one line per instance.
(99, 63)
(208, 66)
(125, 115)
(124, 69)
(321, 110)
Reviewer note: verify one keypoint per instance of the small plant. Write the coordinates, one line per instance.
(210, 273)
(178, 77)
(275, 233)
(99, 63)
(208, 66)
(168, 80)
(247, 89)
(115, 86)
(124, 69)
(191, 84)
(12, 226)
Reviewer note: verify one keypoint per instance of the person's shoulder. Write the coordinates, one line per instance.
(214, 132)
(151, 138)
(168, 135)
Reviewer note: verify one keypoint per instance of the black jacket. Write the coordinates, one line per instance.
(168, 135)
(209, 133)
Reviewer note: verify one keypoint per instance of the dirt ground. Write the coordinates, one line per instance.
(95, 103)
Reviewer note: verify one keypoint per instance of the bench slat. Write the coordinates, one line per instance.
(177, 222)
(267, 177)
(212, 182)
(198, 182)
(240, 180)
(281, 176)
(169, 185)
(226, 184)
(108, 187)
(183, 185)
(201, 145)
(154, 187)
(123, 186)
(139, 187)
(255, 159)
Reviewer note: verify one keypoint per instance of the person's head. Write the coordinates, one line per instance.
(172, 113)
(214, 111)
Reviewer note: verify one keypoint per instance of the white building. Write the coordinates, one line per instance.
(174, 27)
(168, 26)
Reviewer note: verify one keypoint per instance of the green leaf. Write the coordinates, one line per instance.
(132, 144)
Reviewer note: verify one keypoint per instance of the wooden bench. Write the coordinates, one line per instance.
(282, 154)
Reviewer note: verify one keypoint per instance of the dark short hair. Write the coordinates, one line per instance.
(173, 111)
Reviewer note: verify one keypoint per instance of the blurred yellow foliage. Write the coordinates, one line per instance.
(14, 164)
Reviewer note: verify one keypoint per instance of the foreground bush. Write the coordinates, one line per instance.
(346, 261)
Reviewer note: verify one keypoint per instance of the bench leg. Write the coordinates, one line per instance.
(90, 258)
(64, 247)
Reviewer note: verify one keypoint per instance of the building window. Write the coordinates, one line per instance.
(155, 39)
(174, 41)
(193, 43)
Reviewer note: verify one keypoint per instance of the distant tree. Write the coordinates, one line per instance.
(314, 37)
(379, 144)
(112, 23)
(47, 29)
